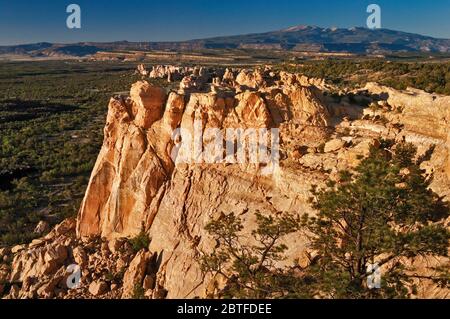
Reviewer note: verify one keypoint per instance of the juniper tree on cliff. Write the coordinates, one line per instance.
(383, 213)
(251, 270)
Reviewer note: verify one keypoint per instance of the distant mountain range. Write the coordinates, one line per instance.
(299, 38)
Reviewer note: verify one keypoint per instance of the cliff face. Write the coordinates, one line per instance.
(151, 175)
(132, 165)
(137, 182)
(136, 163)
(425, 121)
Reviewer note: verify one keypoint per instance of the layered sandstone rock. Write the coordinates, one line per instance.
(307, 108)
(61, 265)
(140, 184)
(133, 163)
(302, 80)
(252, 110)
(135, 182)
(142, 70)
(178, 233)
(169, 72)
(425, 119)
(420, 112)
(251, 79)
(147, 104)
(149, 177)
(134, 276)
(228, 76)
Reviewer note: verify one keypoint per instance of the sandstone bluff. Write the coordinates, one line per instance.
(137, 184)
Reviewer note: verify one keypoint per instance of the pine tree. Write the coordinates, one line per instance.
(382, 214)
(250, 270)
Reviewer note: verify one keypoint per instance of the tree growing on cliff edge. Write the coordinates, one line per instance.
(382, 214)
(251, 270)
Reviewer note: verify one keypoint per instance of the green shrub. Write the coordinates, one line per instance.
(141, 241)
(138, 292)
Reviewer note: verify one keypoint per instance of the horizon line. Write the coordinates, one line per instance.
(217, 36)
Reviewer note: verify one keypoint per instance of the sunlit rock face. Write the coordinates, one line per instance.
(141, 182)
(425, 119)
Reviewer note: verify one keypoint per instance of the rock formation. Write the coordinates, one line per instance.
(139, 182)
(425, 121)
(142, 70)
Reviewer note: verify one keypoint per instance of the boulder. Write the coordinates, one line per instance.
(41, 228)
(251, 79)
(18, 248)
(80, 256)
(67, 226)
(116, 244)
(38, 262)
(149, 282)
(174, 110)
(141, 70)
(47, 290)
(149, 101)
(228, 76)
(14, 292)
(98, 288)
(306, 107)
(4, 273)
(334, 145)
(4, 252)
(135, 274)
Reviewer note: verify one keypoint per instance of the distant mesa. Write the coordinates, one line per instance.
(356, 40)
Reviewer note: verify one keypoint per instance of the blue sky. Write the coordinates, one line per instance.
(28, 21)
